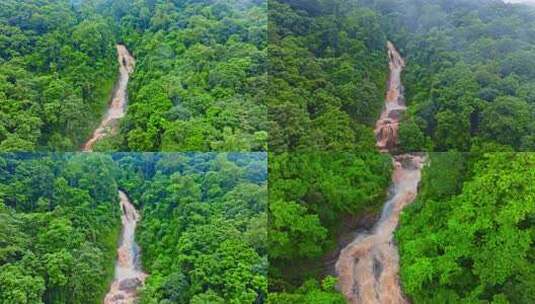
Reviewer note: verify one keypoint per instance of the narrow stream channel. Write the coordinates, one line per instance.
(117, 107)
(128, 274)
(368, 268)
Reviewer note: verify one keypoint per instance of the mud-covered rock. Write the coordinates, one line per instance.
(395, 114)
(129, 284)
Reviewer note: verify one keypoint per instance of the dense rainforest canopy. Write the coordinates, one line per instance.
(57, 68)
(327, 75)
(219, 75)
(200, 78)
(202, 234)
(199, 83)
(470, 76)
(59, 223)
(310, 193)
(204, 226)
(469, 237)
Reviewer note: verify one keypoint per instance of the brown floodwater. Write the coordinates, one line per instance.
(117, 107)
(368, 268)
(386, 128)
(128, 273)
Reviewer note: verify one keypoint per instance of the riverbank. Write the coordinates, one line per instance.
(117, 106)
(128, 273)
(368, 268)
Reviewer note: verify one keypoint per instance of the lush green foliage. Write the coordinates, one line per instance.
(327, 75)
(59, 221)
(57, 67)
(469, 237)
(203, 232)
(470, 77)
(200, 76)
(204, 225)
(309, 193)
(199, 83)
(310, 293)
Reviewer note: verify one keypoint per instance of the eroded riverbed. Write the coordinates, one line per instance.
(368, 268)
(128, 274)
(117, 106)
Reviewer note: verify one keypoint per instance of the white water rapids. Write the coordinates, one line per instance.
(117, 107)
(128, 273)
(368, 268)
(386, 129)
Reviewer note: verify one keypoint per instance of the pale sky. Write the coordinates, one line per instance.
(520, 1)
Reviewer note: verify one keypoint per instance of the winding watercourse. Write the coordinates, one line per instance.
(117, 107)
(128, 273)
(368, 268)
